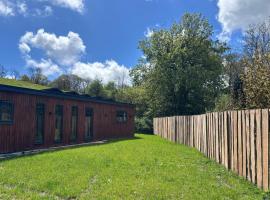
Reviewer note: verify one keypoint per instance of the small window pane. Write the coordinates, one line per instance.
(6, 112)
(74, 123)
(58, 123)
(121, 116)
(40, 117)
(88, 124)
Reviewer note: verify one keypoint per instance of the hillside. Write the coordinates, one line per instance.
(22, 84)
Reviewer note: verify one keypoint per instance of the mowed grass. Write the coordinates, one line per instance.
(146, 167)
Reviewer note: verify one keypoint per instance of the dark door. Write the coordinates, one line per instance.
(74, 123)
(58, 124)
(88, 124)
(40, 118)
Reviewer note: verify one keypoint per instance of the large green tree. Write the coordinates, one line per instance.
(182, 69)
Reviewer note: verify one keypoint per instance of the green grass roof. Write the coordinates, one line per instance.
(22, 84)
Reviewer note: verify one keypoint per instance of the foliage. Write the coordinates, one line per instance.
(111, 90)
(95, 89)
(3, 71)
(183, 67)
(137, 96)
(257, 83)
(146, 167)
(69, 82)
(25, 78)
(223, 103)
(256, 61)
(37, 77)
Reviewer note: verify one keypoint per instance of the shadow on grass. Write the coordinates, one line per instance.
(30, 153)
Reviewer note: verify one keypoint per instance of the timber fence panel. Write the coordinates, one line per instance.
(239, 140)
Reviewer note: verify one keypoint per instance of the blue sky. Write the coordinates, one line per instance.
(107, 32)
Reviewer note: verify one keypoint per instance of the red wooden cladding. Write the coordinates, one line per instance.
(239, 140)
(20, 135)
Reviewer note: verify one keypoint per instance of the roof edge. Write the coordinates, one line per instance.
(65, 95)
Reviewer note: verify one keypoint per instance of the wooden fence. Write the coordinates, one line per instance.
(239, 140)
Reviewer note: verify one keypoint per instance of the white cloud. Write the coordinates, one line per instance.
(148, 33)
(76, 5)
(63, 54)
(239, 14)
(22, 8)
(43, 8)
(6, 8)
(43, 12)
(108, 71)
(47, 66)
(64, 50)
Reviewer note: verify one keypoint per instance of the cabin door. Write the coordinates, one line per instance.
(88, 124)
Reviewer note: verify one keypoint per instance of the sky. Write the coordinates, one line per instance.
(99, 38)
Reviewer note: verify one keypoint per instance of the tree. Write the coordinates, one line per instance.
(15, 74)
(25, 78)
(257, 83)
(68, 82)
(182, 70)
(3, 71)
(110, 90)
(37, 77)
(95, 89)
(256, 62)
(137, 96)
(257, 42)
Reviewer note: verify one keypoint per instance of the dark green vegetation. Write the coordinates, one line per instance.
(146, 167)
(182, 68)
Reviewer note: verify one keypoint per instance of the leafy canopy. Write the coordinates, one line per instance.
(182, 68)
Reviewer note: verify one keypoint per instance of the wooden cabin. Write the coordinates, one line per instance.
(33, 119)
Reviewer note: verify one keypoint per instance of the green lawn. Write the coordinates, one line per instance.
(147, 167)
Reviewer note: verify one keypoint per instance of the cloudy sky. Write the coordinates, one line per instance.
(99, 38)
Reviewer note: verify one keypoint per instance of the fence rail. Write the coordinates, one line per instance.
(239, 140)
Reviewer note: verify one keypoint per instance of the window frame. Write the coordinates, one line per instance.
(121, 111)
(11, 104)
(77, 123)
(89, 113)
(62, 123)
(37, 142)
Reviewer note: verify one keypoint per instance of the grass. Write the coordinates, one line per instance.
(22, 84)
(146, 167)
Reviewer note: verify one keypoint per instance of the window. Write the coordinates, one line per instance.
(6, 112)
(40, 117)
(121, 116)
(58, 123)
(74, 123)
(88, 124)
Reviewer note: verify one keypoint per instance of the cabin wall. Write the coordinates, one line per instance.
(20, 135)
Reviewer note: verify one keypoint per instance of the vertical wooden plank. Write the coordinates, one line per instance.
(240, 150)
(259, 148)
(225, 127)
(252, 145)
(244, 144)
(232, 141)
(235, 141)
(265, 142)
(248, 144)
(222, 138)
